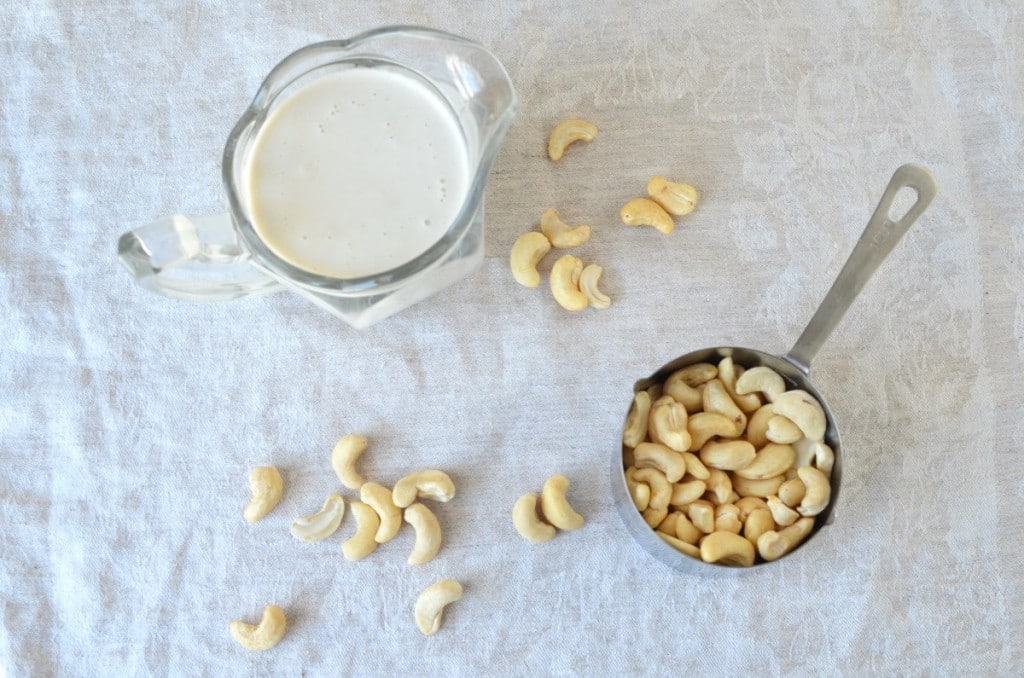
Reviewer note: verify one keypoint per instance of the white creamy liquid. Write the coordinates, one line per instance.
(356, 173)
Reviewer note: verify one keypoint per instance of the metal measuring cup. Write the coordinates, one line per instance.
(875, 244)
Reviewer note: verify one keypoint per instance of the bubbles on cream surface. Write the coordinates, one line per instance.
(356, 173)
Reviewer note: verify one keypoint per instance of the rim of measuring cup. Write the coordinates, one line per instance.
(278, 80)
(646, 537)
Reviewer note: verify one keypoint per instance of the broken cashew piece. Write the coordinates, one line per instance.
(646, 212)
(666, 460)
(266, 486)
(362, 543)
(527, 523)
(555, 506)
(773, 545)
(428, 534)
(527, 252)
(761, 379)
(429, 484)
(264, 635)
(321, 524)
(343, 459)
(378, 497)
(431, 603)
(588, 285)
(819, 490)
(802, 409)
(636, 421)
(677, 198)
(727, 548)
(568, 132)
(561, 234)
(565, 283)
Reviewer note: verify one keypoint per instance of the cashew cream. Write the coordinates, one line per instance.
(356, 173)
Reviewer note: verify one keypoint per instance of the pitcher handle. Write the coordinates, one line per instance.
(196, 259)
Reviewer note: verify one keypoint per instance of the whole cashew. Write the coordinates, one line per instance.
(343, 458)
(264, 635)
(321, 524)
(661, 489)
(773, 545)
(727, 519)
(378, 498)
(757, 523)
(783, 515)
(431, 484)
(646, 212)
(696, 374)
(431, 603)
(527, 523)
(702, 514)
(746, 505)
(690, 396)
(680, 545)
(657, 456)
(819, 491)
(565, 283)
(677, 198)
(695, 467)
(266, 486)
(588, 285)
(824, 458)
(757, 427)
(555, 507)
(567, 132)
(428, 534)
(686, 530)
(782, 430)
(728, 455)
(746, 487)
(684, 494)
(803, 410)
(719, 486)
(717, 399)
(641, 495)
(792, 492)
(561, 234)
(772, 460)
(761, 379)
(527, 252)
(727, 548)
(703, 426)
(727, 374)
(636, 421)
(668, 424)
(362, 543)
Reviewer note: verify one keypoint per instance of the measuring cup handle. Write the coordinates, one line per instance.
(878, 239)
(194, 259)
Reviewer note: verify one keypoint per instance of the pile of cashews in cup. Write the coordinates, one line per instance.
(722, 475)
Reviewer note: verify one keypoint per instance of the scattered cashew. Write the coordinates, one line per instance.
(567, 132)
(695, 467)
(690, 396)
(819, 491)
(431, 603)
(782, 430)
(703, 426)
(684, 494)
(588, 285)
(773, 545)
(762, 488)
(772, 460)
(702, 514)
(362, 543)
(565, 283)
(803, 410)
(264, 635)
(428, 534)
(527, 252)
(266, 486)
(783, 515)
(728, 455)
(727, 374)
(560, 234)
(719, 486)
(636, 421)
(680, 545)
(667, 424)
(321, 524)
(661, 489)
(792, 492)
(646, 212)
(343, 458)
(555, 507)
(717, 399)
(727, 548)
(430, 484)
(527, 523)
(761, 379)
(677, 198)
(656, 455)
(378, 498)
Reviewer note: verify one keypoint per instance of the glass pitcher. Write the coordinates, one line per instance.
(222, 257)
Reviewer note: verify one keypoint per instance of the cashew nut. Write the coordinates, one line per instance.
(588, 285)
(703, 426)
(819, 491)
(657, 456)
(527, 523)
(555, 507)
(646, 212)
(266, 486)
(430, 484)
(677, 198)
(362, 543)
(527, 252)
(783, 515)
(428, 534)
(695, 467)
(792, 492)
(727, 374)
(702, 514)
(824, 458)
(680, 545)
(561, 234)
(691, 397)
(565, 283)
(766, 487)
(761, 380)
(728, 455)
(696, 374)
(782, 430)
(668, 526)
(431, 603)
(321, 524)
(746, 505)
(727, 519)
(773, 545)
(727, 548)
(719, 486)
(772, 460)
(668, 424)
(654, 516)
(805, 448)
(757, 427)
(686, 530)
(640, 493)
(716, 399)
(567, 132)
(378, 498)
(264, 635)
(757, 523)
(635, 430)
(802, 409)
(661, 490)
(343, 458)
(684, 494)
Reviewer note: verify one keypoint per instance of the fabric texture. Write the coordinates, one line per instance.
(129, 421)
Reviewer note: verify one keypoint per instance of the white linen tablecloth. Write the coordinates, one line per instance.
(129, 422)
